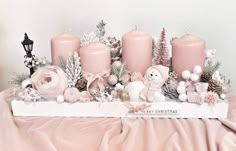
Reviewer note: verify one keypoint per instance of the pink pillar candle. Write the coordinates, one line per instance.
(137, 51)
(62, 46)
(187, 52)
(95, 58)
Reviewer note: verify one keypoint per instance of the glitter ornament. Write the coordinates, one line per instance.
(124, 96)
(117, 64)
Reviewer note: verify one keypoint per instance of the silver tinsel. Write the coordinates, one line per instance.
(17, 79)
(73, 70)
(115, 46)
(88, 38)
(121, 73)
(101, 30)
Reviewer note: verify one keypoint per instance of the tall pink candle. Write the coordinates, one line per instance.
(187, 52)
(62, 46)
(137, 51)
(95, 58)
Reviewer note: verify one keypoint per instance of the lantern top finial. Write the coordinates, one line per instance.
(27, 41)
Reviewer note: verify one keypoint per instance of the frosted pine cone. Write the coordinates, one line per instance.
(206, 77)
(215, 86)
(170, 89)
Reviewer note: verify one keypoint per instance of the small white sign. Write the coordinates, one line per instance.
(168, 109)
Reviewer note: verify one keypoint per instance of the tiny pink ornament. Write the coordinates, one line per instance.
(211, 98)
(71, 95)
(136, 76)
(112, 79)
(49, 81)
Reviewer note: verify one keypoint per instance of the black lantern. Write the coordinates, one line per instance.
(29, 58)
(27, 44)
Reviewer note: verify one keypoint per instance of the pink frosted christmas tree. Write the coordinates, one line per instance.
(161, 55)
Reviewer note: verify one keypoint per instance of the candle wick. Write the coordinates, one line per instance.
(135, 27)
(67, 30)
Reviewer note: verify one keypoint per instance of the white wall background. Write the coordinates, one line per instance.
(213, 20)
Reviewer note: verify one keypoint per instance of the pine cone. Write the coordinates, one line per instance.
(81, 84)
(215, 86)
(206, 77)
(170, 89)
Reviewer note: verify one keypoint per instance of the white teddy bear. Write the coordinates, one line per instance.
(154, 78)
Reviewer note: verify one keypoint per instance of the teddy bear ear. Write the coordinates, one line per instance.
(164, 70)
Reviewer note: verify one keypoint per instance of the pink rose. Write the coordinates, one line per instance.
(211, 98)
(50, 81)
(136, 76)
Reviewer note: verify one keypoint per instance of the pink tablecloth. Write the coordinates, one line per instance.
(109, 134)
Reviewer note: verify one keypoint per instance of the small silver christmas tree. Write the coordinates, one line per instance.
(73, 70)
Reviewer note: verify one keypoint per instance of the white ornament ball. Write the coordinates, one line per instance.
(182, 83)
(112, 79)
(194, 77)
(222, 96)
(186, 74)
(60, 98)
(117, 64)
(181, 89)
(183, 97)
(119, 86)
(26, 83)
(197, 69)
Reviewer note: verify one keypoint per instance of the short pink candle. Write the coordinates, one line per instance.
(187, 52)
(62, 46)
(95, 58)
(137, 51)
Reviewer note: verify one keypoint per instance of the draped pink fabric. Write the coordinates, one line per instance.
(115, 134)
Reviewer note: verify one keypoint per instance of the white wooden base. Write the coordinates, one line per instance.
(119, 109)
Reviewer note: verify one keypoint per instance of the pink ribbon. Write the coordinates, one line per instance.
(135, 109)
(91, 78)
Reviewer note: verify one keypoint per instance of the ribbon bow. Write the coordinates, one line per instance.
(91, 78)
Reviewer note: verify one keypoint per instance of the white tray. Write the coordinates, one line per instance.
(169, 109)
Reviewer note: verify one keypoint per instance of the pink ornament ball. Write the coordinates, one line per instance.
(112, 79)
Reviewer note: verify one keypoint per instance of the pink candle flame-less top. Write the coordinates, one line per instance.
(62, 46)
(95, 58)
(187, 52)
(137, 51)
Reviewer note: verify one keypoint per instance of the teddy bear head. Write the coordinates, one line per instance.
(157, 74)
